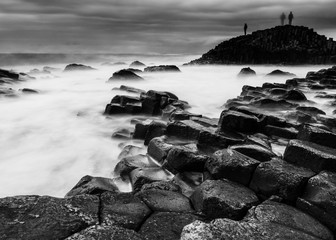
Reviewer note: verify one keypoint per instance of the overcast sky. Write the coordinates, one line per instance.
(146, 26)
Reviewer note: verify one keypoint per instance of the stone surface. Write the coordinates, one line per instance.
(123, 209)
(223, 198)
(280, 178)
(319, 199)
(103, 232)
(158, 148)
(254, 151)
(231, 165)
(166, 225)
(125, 75)
(162, 68)
(128, 164)
(310, 155)
(232, 120)
(317, 135)
(77, 67)
(43, 217)
(92, 185)
(165, 201)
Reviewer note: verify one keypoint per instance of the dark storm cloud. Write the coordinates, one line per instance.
(170, 26)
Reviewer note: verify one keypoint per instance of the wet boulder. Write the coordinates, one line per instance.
(232, 165)
(237, 121)
(162, 68)
(310, 155)
(280, 178)
(279, 73)
(317, 135)
(165, 201)
(182, 159)
(141, 129)
(187, 129)
(93, 185)
(223, 198)
(114, 108)
(295, 95)
(123, 209)
(188, 181)
(155, 129)
(158, 148)
(246, 72)
(139, 176)
(310, 110)
(166, 225)
(128, 164)
(137, 64)
(255, 151)
(269, 103)
(106, 232)
(162, 185)
(78, 67)
(130, 151)
(9, 74)
(43, 217)
(288, 133)
(125, 75)
(319, 199)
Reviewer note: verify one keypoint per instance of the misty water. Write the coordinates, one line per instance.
(48, 141)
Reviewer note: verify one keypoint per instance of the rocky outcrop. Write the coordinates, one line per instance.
(124, 75)
(137, 64)
(246, 72)
(162, 68)
(77, 67)
(278, 45)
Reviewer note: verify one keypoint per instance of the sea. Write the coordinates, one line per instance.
(49, 140)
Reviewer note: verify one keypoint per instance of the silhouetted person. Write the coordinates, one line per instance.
(283, 17)
(245, 28)
(290, 18)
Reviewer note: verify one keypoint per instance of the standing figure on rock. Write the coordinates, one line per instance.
(290, 18)
(245, 28)
(282, 18)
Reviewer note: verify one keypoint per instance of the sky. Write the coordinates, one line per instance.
(146, 26)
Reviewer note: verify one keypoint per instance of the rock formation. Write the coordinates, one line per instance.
(278, 45)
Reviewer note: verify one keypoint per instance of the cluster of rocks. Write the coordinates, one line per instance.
(278, 45)
(203, 178)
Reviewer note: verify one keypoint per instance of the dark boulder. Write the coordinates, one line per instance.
(166, 225)
(133, 70)
(237, 121)
(280, 73)
(310, 110)
(246, 72)
(78, 67)
(158, 148)
(139, 176)
(126, 165)
(35, 217)
(186, 129)
(141, 129)
(165, 201)
(114, 108)
(295, 95)
(29, 90)
(231, 165)
(310, 155)
(317, 135)
(93, 185)
(162, 68)
(137, 64)
(223, 198)
(319, 199)
(255, 151)
(155, 129)
(280, 178)
(288, 133)
(123, 209)
(125, 75)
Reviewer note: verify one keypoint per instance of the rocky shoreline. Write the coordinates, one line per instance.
(266, 169)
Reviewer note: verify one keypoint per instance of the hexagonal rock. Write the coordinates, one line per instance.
(162, 185)
(317, 135)
(319, 199)
(123, 209)
(310, 155)
(35, 217)
(166, 225)
(182, 159)
(158, 148)
(128, 164)
(280, 178)
(231, 165)
(255, 151)
(282, 214)
(165, 201)
(237, 121)
(223, 198)
(93, 185)
(106, 232)
(187, 129)
(289, 133)
(266, 221)
(139, 176)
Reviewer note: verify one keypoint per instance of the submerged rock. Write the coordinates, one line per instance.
(137, 64)
(162, 68)
(125, 75)
(280, 73)
(78, 67)
(246, 72)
